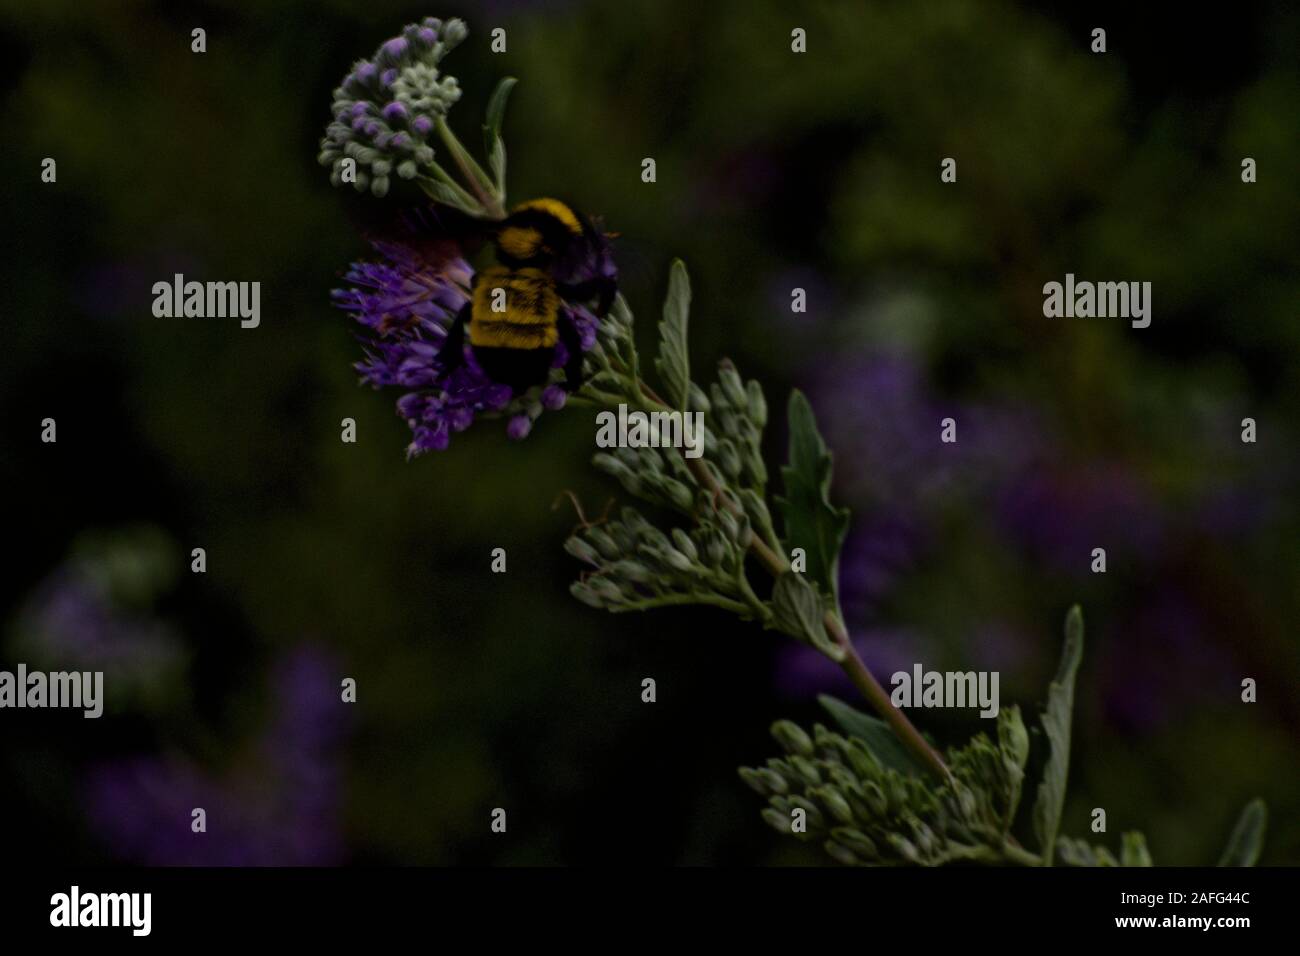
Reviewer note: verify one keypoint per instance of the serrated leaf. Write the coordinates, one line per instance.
(1013, 738)
(1247, 836)
(875, 733)
(1056, 723)
(1013, 744)
(797, 609)
(496, 111)
(673, 362)
(811, 522)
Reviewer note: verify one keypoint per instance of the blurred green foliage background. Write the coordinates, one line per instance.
(774, 170)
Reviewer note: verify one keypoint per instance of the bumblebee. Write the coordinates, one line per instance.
(548, 255)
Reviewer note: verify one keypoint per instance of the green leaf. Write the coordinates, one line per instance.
(1133, 850)
(1073, 852)
(873, 732)
(441, 192)
(1013, 739)
(1056, 722)
(672, 364)
(797, 610)
(1013, 744)
(496, 111)
(1247, 836)
(497, 163)
(811, 521)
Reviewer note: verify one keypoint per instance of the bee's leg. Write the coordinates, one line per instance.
(572, 345)
(601, 289)
(452, 354)
(606, 289)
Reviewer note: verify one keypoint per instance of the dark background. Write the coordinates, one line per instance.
(774, 170)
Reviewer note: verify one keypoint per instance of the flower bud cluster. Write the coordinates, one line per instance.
(867, 813)
(638, 565)
(735, 414)
(387, 107)
(656, 475)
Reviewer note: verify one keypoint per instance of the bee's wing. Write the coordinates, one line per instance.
(436, 233)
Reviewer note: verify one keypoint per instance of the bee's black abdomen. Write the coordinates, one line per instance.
(519, 368)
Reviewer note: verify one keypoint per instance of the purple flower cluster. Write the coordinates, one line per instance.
(282, 809)
(882, 546)
(93, 613)
(385, 109)
(408, 304)
(1172, 666)
(883, 421)
(72, 620)
(1059, 514)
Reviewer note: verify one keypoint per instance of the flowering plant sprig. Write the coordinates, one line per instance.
(877, 791)
(389, 106)
(637, 566)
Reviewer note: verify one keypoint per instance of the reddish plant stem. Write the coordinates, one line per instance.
(865, 681)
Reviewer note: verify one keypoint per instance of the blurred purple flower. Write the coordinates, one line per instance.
(1166, 664)
(884, 424)
(881, 546)
(1060, 514)
(1232, 510)
(90, 613)
(282, 810)
(72, 620)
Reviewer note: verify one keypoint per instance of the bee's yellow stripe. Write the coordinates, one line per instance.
(520, 242)
(556, 209)
(532, 308)
(503, 335)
